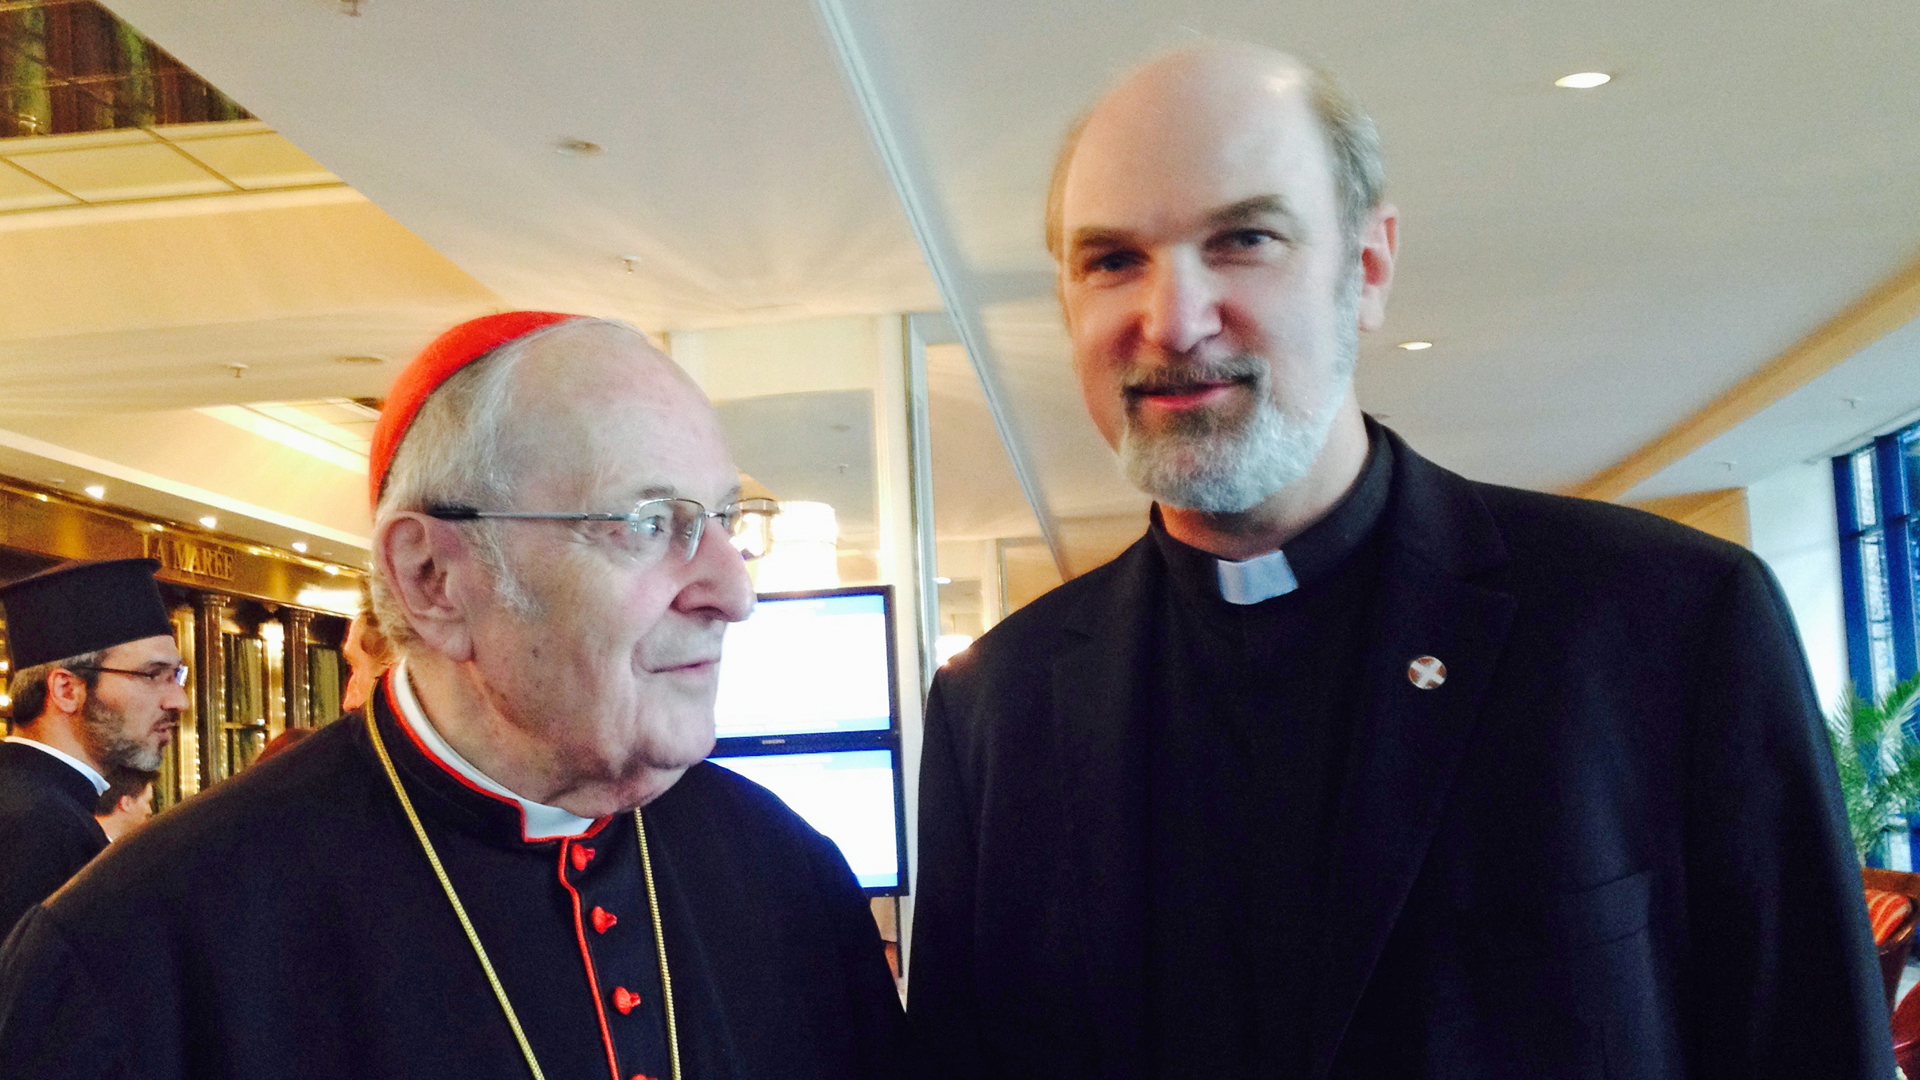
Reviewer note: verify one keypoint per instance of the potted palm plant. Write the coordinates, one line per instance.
(1879, 762)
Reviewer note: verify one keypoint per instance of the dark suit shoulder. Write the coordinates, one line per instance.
(1026, 638)
(277, 810)
(722, 802)
(34, 807)
(1585, 538)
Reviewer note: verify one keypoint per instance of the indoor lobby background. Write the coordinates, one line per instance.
(225, 224)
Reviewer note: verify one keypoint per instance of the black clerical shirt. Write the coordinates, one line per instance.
(1256, 704)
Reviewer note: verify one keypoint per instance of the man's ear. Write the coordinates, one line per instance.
(1379, 246)
(66, 692)
(430, 568)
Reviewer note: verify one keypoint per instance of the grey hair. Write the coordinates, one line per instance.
(1359, 174)
(460, 451)
(28, 687)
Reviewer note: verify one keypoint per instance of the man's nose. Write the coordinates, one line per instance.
(1181, 303)
(176, 697)
(718, 580)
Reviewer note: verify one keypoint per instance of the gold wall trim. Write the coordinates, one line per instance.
(58, 526)
(1888, 307)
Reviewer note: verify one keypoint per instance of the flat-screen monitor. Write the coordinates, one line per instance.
(849, 795)
(808, 663)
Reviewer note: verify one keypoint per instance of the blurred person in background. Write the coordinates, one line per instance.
(369, 654)
(282, 743)
(97, 687)
(127, 802)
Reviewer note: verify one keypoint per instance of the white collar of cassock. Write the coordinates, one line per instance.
(538, 821)
(1262, 577)
(92, 774)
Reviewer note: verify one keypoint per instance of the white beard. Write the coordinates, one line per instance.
(1219, 469)
(1217, 465)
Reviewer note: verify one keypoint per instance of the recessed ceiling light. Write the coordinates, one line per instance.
(1583, 80)
(578, 147)
(300, 546)
(1416, 346)
(209, 521)
(943, 581)
(98, 491)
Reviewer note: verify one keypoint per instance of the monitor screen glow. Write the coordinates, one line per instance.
(845, 794)
(801, 665)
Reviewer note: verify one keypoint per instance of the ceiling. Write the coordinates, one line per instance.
(1593, 266)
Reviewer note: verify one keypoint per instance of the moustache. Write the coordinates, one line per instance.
(701, 648)
(1187, 378)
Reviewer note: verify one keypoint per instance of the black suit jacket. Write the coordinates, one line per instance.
(47, 828)
(1610, 844)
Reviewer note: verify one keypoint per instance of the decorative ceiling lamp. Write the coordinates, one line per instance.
(805, 552)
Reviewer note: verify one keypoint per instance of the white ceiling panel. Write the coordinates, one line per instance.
(731, 161)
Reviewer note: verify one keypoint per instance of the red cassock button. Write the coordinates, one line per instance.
(624, 999)
(582, 854)
(603, 919)
(643, 1076)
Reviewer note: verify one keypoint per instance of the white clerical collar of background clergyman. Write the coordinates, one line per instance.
(539, 821)
(1304, 559)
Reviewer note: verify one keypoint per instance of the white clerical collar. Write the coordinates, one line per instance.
(92, 774)
(538, 820)
(1262, 577)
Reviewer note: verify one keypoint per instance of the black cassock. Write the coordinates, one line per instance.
(287, 924)
(47, 828)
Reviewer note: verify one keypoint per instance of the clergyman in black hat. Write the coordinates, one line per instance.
(97, 687)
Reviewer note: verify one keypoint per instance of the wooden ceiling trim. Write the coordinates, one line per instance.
(1890, 306)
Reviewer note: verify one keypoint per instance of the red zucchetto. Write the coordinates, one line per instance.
(436, 363)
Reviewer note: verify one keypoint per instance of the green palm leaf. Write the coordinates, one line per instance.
(1878, 760)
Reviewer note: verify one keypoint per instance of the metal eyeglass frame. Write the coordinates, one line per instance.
(177, 674)
(733, 512)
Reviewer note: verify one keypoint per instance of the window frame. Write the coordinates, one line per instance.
(1877, 561)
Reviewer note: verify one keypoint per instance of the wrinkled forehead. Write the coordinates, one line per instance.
(1166, 143)
(601, 413)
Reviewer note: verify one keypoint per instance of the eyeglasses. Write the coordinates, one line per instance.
(654, 527)
(176, 674)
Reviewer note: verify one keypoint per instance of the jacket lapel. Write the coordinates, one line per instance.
(1408, 740)
(1101, 693)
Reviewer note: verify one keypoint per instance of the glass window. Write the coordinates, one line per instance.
(70, 66)
(1880, 557)
(1866, 494)
(1873, 574)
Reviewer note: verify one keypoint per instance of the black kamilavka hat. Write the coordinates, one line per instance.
(82, 607)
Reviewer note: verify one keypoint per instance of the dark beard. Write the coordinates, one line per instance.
(103, 730)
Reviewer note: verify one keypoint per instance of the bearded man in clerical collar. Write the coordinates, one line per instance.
(515, 862)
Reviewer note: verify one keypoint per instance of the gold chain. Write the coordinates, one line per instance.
(473, 936)
(660, 941)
